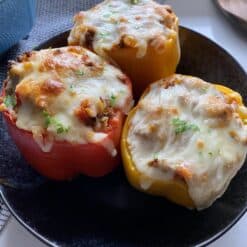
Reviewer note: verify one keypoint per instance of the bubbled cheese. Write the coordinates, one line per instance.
(131, 23)
(184, 128)
(67, 94)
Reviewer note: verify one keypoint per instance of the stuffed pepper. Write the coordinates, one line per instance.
(64, 109)
(185, 140)
(141, 36)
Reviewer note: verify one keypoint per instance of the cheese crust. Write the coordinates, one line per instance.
(185, 128)
(117, 24)
(65, 94)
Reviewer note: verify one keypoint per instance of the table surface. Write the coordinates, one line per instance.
(201, 16)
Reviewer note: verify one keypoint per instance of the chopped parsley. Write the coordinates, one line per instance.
(72, 88)
(155, 155)
(209, 131)
(204, 90)
(79, 72)
(134, 1)
(61, 129)
(103, 35)
(122, 92)
(9, 101)
(182, 126)
(113, 99)
(49, 120)
(107, 15)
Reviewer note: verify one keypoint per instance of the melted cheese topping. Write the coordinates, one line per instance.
(66, 94)
(122, 23)
(184, 128)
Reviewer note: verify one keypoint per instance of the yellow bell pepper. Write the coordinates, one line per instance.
(153, 66)
(234, 96)
(175, 190)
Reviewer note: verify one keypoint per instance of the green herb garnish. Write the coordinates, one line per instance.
(182, 126)
(210, 153)
(122, 92)
(107, 15)
(134, 1)
(9, 101)
(49, 120)
(79, 72)
(61, 129)
(113, 99)
(103, 35)
(155, 156)
(72, 88)
(204, 89)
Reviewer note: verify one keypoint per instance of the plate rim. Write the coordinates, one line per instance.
(204, 243)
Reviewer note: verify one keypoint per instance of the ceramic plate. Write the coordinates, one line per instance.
(108, 211)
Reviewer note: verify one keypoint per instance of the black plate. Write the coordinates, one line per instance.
(107, 211)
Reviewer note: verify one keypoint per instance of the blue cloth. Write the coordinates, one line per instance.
(16, 20)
